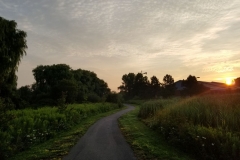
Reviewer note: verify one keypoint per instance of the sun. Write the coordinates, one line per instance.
(229, 81)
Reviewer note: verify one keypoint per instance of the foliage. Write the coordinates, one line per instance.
(12, 49)
(30, 127)
(168, 80)
(69, 87)
(192, 86)
(141, 85)
(155, 87)
(5, 118)
(78, 85)
(206, 126)
(127, 86)
(168, 86)
(145, 142)
(114, 97)
(138, 85)
(237, 81)
(93, 97)
(61, 144)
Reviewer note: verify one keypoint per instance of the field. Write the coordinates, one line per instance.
(29, 127)
(206, 127)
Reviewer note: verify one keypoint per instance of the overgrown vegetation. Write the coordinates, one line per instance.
(58, 147)
(30, 127)
(146, 143)
(205, 126)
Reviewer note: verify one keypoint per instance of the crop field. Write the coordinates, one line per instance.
(33, 126)
(205, 126)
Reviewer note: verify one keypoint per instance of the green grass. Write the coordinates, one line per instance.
(60, 146)
(206, 126)
(136, 101)
(145, 142)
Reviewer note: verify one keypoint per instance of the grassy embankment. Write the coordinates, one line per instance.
(206, 127)
(49, 133)
(146, 143)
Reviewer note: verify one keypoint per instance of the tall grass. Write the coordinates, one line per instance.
(29, 126)
(150, 108)
(207, 126)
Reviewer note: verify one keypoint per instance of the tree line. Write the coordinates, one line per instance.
(53, 83)
(57, 81)
(138, 86)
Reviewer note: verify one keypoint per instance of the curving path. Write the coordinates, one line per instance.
(103, 141)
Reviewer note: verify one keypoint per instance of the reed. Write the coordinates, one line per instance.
(207, 126)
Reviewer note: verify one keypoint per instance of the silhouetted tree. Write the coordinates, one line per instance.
(68, 87)
(141, 85)
(25, 94)
(155, 87)
(168, 80)
(127, 87)
(192, 86)
(78, 85)
(49, 76)
(90, 86)
(237, 81)
(138, 86)
(12, 49)
(13, 44)
(168, 86)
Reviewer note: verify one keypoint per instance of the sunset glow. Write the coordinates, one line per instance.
(117, 37)
(229, 81)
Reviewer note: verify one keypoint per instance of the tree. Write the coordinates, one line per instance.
(141, 85)
(90, 87)
(66, 87)
(48, 76)
(127, 86)
(191, 82)
(12, 48)
(237, 81)
(25, 92)
(155, 86)
(77, 85)
(101, 88)
(168, 80)
(192, 86)
(168, 86)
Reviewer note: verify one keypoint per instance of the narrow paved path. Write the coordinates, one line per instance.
(103, 141)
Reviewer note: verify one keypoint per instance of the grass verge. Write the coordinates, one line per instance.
(146, 143)
(58, 147)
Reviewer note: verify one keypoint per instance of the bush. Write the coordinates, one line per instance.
(93, 98)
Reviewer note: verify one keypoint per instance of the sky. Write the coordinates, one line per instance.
(117, 37)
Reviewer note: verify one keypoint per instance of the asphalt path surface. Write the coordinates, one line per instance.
(103, 141)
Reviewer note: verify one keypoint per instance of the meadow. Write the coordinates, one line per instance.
(205, 126)
(29, 127)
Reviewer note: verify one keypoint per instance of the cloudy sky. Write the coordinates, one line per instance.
(115, 37)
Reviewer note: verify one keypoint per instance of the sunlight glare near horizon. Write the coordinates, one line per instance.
(229, 81)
